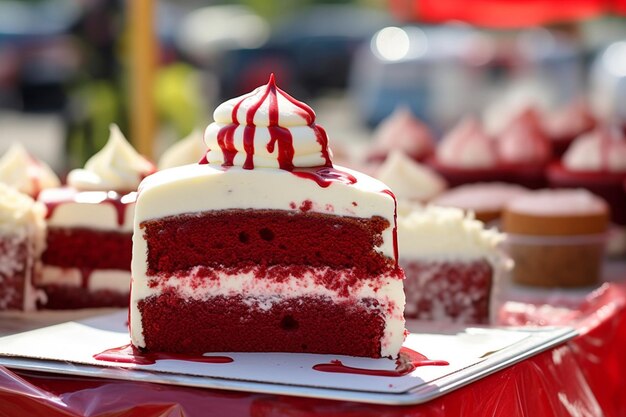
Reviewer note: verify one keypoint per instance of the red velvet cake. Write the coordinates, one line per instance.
(22, 231)
(264, 246)
(451, 265)
(90, 223)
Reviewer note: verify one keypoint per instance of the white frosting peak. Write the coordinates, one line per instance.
(467, 146)
(116, 167)
(22, 171)
(266, 128)
(600, 150)
(410, 180)
(17, 209)
(188, 150)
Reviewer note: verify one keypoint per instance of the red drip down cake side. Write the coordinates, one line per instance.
(275, 246)
(449, 291)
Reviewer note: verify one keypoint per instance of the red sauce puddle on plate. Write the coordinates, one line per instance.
(407, 361)
(130, 354)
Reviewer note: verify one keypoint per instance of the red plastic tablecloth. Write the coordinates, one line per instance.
(583, 377)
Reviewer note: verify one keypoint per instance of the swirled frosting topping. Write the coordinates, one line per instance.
(603, 149)
(266, 128)
(117, 167)
(20, 170)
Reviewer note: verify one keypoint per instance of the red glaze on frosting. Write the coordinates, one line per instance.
(395, 224)
(280, 137)
(523, 141)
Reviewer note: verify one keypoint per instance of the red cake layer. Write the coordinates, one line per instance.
(14, 272)
(451, 291)
(230, 238)
(228, 324)
(88, 248)
(61, 297)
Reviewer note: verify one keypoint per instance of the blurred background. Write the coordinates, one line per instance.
(64, 64)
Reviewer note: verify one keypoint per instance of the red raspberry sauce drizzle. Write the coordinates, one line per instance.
(395, 223)
(408, 361)
(130, 354)
(280, 137)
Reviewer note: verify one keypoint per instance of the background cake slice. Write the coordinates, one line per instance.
(452, 264)
(266, 246)
(22, 231)
(90, 224)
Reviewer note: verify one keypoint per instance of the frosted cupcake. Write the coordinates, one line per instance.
(467, 154)
(596, 161)
(524, 150)
(402, 131)
(565, 124)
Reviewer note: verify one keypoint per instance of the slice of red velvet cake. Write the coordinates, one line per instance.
(22, 230)
(265, 246)
(451, 264)
(90, 225)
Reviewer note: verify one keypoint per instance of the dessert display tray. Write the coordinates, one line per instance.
(471, 353)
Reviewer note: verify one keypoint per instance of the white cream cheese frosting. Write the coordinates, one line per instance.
(408, 179)
(266, 128)
(443, 233)
(603, 149)
(24, 172)
(116, 167)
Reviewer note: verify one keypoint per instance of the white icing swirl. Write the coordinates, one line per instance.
(116, 167)
(410, 180)
(18, 210)
(266, 128)
(23, 172)
(188, 150)
(601, 150)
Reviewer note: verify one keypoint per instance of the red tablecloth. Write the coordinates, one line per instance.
(581, 378)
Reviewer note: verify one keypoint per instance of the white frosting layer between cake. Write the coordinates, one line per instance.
(99, 279)
(116, 167)
(442, 233)
(261, 294)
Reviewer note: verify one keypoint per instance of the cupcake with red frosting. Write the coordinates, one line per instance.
(524, 150)
(596, 161)
(467, 154)
(404, 132)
